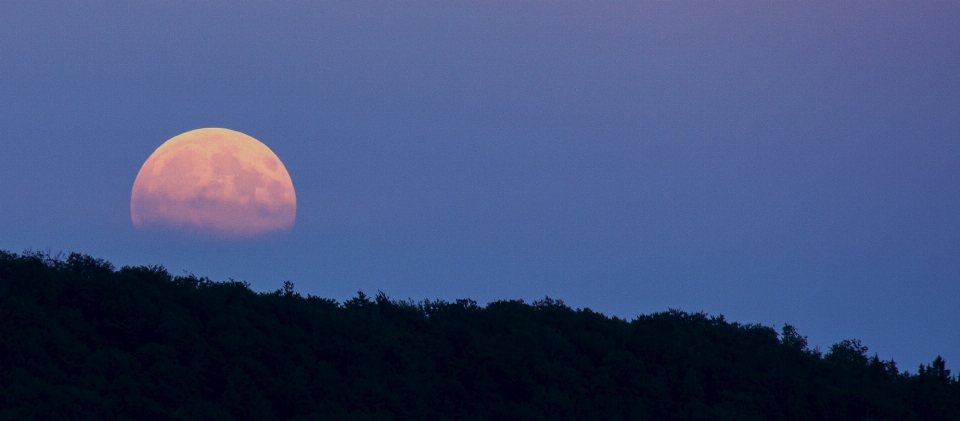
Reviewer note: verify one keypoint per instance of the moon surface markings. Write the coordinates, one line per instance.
(215, 181)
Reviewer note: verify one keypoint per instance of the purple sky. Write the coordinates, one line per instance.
(769, 162)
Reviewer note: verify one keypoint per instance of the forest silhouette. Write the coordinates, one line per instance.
(80, 339)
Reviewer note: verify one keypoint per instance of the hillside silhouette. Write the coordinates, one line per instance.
(80, 339)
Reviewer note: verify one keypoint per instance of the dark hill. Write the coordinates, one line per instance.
(81, 340)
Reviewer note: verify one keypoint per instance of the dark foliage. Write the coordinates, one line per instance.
(82, 340)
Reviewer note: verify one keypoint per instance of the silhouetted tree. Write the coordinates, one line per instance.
(80, 339)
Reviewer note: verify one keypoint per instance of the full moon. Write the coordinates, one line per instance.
(214, 181)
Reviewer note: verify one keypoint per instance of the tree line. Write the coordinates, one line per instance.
(80, 339)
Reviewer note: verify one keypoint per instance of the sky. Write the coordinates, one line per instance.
(773, 162)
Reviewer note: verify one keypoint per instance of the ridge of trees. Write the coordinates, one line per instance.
(80, 339)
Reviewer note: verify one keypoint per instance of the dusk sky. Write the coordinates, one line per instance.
(773, 162)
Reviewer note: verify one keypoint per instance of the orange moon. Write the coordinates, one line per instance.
(214, 181)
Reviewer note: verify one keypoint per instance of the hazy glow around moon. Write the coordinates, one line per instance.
(214, 181)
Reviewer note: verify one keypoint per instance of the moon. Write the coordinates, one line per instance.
(214, 181)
